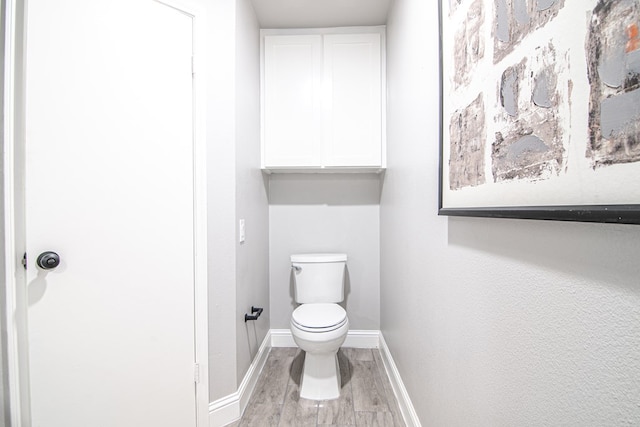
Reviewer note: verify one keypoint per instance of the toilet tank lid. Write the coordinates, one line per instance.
(302, 258)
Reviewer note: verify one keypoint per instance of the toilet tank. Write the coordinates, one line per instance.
(318, 278)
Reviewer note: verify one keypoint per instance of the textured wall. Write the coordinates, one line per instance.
(238, 274)
(326, 213)
(252, 256)
(496, 322)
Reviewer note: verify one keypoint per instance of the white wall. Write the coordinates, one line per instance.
(495, 322)
(252, 265)
(326, 213)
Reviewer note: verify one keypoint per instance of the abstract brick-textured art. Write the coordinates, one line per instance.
(541, 109)
(613, 58)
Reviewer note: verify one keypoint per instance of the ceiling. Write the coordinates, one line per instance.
(320, 13)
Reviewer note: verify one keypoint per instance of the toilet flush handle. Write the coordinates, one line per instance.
(297, 268)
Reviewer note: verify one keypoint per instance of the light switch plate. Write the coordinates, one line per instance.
(241, 230)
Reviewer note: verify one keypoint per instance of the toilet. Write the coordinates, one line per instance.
(319, 325)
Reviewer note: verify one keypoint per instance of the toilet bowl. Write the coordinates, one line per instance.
(319, 325)
(320, 329)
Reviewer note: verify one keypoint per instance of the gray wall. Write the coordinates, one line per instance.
(496, 322)
(252, 256)
(326, 213)
(238, 274)
(221, 196)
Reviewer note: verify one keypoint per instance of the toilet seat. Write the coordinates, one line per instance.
(319, 317)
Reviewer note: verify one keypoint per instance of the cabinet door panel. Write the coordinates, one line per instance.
(292, 105)
(352, 95)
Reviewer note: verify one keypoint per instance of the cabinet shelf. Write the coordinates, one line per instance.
(325, 169)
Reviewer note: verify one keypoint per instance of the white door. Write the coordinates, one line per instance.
(110, 189)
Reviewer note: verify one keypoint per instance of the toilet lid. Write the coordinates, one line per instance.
(319, 316)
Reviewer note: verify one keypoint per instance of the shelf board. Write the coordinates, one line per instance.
(328, 169)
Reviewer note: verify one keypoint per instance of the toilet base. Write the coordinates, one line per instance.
(320, 377)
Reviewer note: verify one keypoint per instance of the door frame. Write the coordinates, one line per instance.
(15, 237)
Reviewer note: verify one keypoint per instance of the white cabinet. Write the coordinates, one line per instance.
(322, 102)
(291, 119)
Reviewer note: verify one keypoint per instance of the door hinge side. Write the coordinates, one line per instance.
(193, 65)
(196, 373)
(24, 261)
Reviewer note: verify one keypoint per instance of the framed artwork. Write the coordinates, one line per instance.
(540, 109)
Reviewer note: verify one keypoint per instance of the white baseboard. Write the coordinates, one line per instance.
(406, 407)
(282, 338)
(355, 338)
(224, 411)
(230, 408)
(362, 339)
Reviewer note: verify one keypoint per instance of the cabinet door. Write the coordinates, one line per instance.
(292, 104)
(352, 113)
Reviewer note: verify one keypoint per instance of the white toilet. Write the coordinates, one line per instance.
(319, 325)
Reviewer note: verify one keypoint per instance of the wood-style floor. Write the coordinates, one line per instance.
(366, 397)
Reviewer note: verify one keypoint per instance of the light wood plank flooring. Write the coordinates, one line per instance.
(366, 397)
